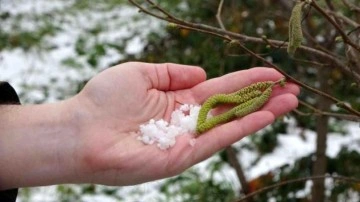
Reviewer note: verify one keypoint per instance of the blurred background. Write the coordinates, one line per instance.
(50, 48)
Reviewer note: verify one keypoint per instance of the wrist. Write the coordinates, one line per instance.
(37, 144)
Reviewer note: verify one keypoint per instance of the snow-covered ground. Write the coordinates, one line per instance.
(38, 68)
(293, 146)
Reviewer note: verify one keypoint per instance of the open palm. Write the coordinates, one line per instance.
(115, 102)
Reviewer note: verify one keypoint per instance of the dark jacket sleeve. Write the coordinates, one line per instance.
(8, 96)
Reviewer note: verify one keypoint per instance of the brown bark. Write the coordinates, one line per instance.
(320, 164)
(234, 162)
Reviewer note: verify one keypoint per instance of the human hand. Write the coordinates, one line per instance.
(91, 137)
(114, 103)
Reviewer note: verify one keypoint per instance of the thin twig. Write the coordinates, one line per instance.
(311, 62)
(351, 6)
(226, 36)
(335, 177)
(292, 79)
(337, 23)
(221, 33)
(234, 162)
(353, 31)
(317, 112)
(298, 60)
(345, 19)
(316, 44)
(332, 8)
(218, 15)
(346, 39)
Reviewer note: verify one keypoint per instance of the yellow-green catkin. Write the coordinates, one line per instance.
(295, 30)
(222, 118)
(255, 105)
(248, 100)
(215, 100)
(256, 86)
(237, 98)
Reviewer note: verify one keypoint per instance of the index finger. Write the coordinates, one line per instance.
(234, 81)
(171, 76)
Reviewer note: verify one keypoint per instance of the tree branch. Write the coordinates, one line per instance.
(292, 79)
(346, 39)
(335, 177)
(317, 112)
(351, 6)
(218, 15)
(232, 37)
(345, 19)
(241, 37)
(234, 162)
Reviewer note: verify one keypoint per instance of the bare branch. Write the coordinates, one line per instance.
(234, 162)
(351, 6)
(346, 39)
(292, 79)
(335, 177)
(332, 8)
(311, 62)
(167, 14)
(229, 36)
(218, 15)
(223, 33)
(345, 19)
(317, 112)
(316, 44)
